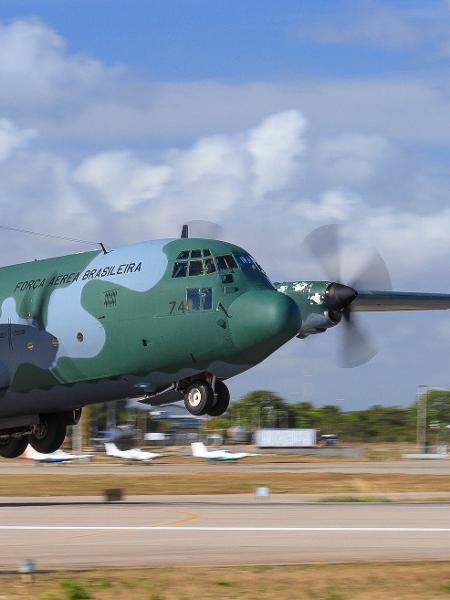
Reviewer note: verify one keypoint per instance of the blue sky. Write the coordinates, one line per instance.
(238, 40)
(121, 120)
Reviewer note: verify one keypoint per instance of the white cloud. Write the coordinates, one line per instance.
(121, 179)
(368, 24)
(275, 147)
(76, 99)
(333, 205)
(351, 158)
(12, 138)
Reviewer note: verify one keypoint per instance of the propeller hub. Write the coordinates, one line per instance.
(339, 296)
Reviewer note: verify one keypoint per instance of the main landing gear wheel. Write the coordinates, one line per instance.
(49, 435)
(198, 397)
(12, 447)
(222, 400)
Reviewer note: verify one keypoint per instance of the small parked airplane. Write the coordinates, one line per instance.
(55, 457)
(199, 450)
(132, 454)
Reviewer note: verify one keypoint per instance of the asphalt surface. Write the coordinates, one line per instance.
(413, 467)
(73, 533)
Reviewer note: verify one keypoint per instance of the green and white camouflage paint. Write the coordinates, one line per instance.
(94, 326)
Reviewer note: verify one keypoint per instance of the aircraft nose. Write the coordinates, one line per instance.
(263, 320)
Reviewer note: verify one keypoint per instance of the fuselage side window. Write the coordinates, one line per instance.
(199, 299)
(179, 269)
(226, 262)
(206, 298)
(193, 299)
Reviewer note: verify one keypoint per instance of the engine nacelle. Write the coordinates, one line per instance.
(312, 298)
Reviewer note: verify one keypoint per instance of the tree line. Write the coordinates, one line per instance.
(263, 408)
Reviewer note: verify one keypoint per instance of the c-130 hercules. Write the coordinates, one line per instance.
(162, 320)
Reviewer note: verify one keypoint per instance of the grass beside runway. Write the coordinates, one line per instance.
(355, 581)
(60, 483)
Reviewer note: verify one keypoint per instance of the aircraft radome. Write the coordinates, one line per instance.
(163, 320)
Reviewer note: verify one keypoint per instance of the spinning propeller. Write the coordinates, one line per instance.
(326, 245)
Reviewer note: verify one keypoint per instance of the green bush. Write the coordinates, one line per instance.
(74, 591)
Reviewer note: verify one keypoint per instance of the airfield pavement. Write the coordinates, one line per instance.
(411, 467)
(76, 534)
(217, 529)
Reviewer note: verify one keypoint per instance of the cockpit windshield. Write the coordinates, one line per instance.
(247, 262)
(226, 262)
(191, 263)
(194, 262)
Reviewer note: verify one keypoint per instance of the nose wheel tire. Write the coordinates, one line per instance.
(49, 434)
(198, 397)
(12, 447)
(222, 400)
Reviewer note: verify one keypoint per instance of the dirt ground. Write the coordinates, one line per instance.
(356, 581)
(62, 484)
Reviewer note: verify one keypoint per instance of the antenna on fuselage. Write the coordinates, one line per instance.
(54, 236)
(185, 231)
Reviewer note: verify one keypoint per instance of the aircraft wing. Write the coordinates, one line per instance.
(373, 300)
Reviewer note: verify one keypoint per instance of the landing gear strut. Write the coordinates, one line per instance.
(49, 435)
(201, 399)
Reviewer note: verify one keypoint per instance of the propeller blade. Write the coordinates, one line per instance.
(324, 244)
(201, 229)
(357, 346)
(374, 275)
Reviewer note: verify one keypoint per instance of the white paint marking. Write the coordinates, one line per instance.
(200, 528)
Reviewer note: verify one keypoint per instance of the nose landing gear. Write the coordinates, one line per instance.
(201, 398)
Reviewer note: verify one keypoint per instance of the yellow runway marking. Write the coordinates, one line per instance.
(187, 518)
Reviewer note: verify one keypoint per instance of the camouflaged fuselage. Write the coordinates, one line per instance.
(91, 327)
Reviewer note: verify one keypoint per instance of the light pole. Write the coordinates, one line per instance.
(422, 400)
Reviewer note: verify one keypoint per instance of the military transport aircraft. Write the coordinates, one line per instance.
(164, 320)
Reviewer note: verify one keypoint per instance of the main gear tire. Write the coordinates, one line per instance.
(12, 447)
(49, 435)
(198, 398)
(220, 406)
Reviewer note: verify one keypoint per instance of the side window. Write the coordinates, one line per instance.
(179, 269)
(206, 298)
(193, 299)
(199, 299)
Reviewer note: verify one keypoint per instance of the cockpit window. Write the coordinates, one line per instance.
(248, 262)
(206, 252)
(195, 267)
(184, 255)
(226, 262)
(179, 269)
(196, 253)
(210, 267)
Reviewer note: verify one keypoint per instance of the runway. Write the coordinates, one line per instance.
(224, 531)
(412, 467)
